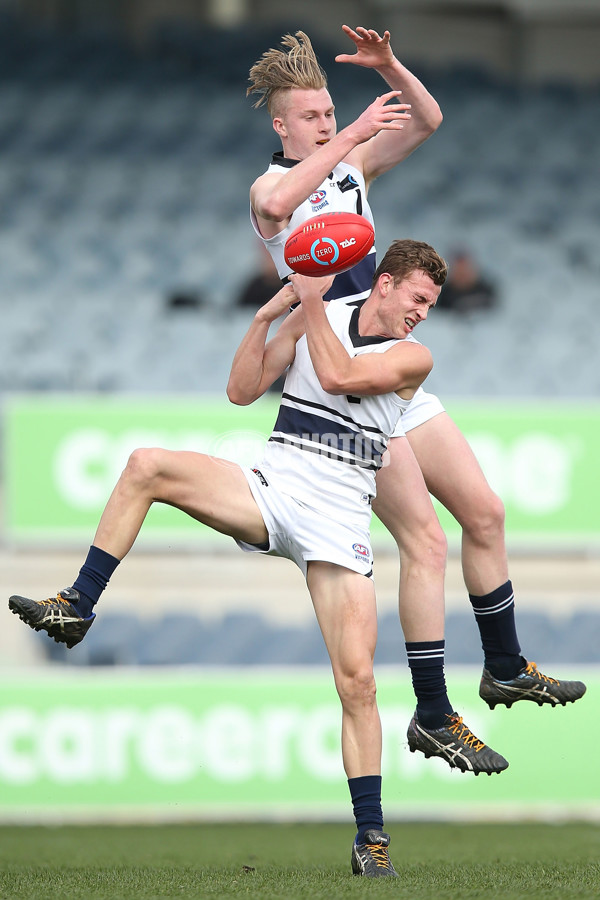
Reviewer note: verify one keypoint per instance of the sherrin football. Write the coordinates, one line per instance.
(331, 242)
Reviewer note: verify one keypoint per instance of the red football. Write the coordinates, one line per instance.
(331, 242)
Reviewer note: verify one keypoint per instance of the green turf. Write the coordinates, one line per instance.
(515, 862)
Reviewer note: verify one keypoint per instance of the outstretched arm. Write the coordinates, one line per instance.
(274, 197)
(403, 368)
(257, 364)
(387, 149)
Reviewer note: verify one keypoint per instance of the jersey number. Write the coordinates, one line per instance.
(352, 399)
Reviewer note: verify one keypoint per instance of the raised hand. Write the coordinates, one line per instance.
(278, 304)
(310, 287)
(381, 115)
(372, 50)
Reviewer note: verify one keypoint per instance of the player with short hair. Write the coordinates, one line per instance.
(352, 371)
(320, 169)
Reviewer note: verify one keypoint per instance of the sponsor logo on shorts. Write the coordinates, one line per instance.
(261, 477)
(361, 552)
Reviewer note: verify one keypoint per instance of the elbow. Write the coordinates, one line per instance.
(435, 119)
(430, 122)
(273, 210)
(332, 384)
(237, 397)
(337, 380)
(426, 369)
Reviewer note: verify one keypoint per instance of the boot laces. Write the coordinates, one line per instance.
(465, 735)
(52, 601)
(533, 670)
(380, 855)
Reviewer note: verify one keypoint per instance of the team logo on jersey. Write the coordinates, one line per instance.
(318, 200)
(347, 184)
(361, 552)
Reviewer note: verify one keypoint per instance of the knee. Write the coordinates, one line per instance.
(357, 689)
(426, 547)
(434, 546)
(486, 521)
(142, 467)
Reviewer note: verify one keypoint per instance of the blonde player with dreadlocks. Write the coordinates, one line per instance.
(301, 182)
(320, 169)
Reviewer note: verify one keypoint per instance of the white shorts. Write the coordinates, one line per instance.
(301, 533)
(421, 408)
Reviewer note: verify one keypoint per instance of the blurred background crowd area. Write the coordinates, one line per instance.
(127, 148)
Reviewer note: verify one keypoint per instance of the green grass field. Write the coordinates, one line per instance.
(294, 861)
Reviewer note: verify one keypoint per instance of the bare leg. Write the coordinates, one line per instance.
(344, 603)
(454, 477)
(404, 506)
(208, 489)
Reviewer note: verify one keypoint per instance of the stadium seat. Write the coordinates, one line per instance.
(110, 177)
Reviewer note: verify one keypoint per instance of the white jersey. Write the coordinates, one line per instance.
(326, 449)
(343, 190)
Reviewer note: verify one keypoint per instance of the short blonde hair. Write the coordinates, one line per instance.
(281, 70)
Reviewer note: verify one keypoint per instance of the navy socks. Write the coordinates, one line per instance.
(426, 662)
(495, 617)
(365, 792)
(93, 577)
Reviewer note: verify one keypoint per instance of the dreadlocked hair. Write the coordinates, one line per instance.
(280, 70)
